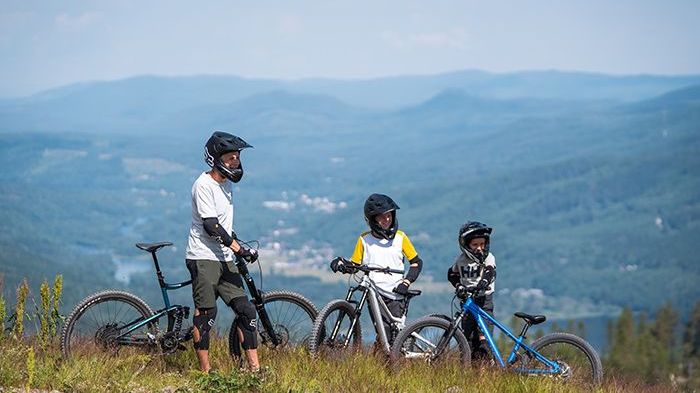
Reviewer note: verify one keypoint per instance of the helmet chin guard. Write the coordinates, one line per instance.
(219, 144)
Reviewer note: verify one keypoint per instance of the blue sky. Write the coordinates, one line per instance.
(45, 44)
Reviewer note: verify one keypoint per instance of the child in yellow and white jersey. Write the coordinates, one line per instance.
(384, 245)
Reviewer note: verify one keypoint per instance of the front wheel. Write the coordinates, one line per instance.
(578, 362)
(332, 328)
(291, 316)
(419, 341)
(106, 322)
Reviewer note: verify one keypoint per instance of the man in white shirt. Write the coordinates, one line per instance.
(212, 247)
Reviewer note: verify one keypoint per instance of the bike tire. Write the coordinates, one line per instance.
(581, 361)
(292, 319)
(441, 316)
(415, 342)
(320, 343)
(96, 319)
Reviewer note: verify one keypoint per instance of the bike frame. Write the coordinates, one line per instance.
(481, 316)
(377, 308)
(164, 288)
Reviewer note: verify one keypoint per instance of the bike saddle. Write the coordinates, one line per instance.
(413, 292)
(531, 319)
(152, 247)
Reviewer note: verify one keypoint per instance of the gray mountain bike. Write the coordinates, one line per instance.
(337, 326)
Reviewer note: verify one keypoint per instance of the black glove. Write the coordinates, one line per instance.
(342, 265)
(482, 285)
(247, 254)
(402, 289)
(461, 291)
(336, 264)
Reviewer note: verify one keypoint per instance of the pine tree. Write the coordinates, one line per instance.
(651, 356)
(581, 329)
(691, 349)
(621, 355)
(691, 336)
(664, 332)
(665, 326)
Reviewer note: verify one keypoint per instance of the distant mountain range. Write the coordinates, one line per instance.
(590, 181)
(148, 101)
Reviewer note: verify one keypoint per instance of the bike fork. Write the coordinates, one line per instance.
(353, 322)
(258, 302)
(445, 339)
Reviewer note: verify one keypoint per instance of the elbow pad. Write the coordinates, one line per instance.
(489, 274)
(453, 277)
(415, 269)
(214, 229)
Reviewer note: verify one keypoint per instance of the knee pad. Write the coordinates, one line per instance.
(204, 322)
(246, 320)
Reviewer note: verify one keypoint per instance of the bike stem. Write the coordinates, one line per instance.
(257, 299)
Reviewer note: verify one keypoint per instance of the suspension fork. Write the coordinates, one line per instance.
(354, 321)
(257, 301)
(445, 339)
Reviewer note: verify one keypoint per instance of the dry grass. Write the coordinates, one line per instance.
(286, 371)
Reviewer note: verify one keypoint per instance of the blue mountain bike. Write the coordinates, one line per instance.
(562, 356)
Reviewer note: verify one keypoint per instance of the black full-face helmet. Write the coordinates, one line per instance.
(380, 204)
(219, 144)
(473, 230)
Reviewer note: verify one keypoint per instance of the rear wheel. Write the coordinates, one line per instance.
(579, 363)
(419, 342)
(101, 323)
(332, 329)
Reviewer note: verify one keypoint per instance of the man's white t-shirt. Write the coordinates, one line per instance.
(210, 199)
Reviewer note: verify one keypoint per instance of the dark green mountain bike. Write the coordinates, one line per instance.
(114, 320)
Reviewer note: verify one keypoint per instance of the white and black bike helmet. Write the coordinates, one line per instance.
(219, 144)
(473, 230)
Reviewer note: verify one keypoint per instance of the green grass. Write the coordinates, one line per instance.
(285, 371)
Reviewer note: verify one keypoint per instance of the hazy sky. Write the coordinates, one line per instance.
(45, 44)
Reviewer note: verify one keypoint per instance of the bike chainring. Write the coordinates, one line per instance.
(169, 343)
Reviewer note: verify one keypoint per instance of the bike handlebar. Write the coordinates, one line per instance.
(470, 292)
(386, 270)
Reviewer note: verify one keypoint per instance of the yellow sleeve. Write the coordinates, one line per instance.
(407, 247)
(359, 251)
